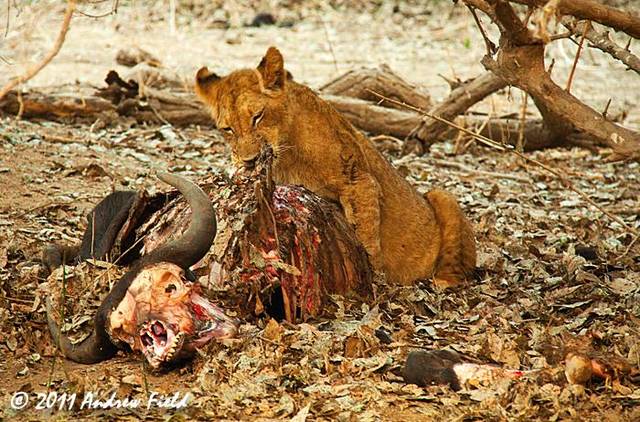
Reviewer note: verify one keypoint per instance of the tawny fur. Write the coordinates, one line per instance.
(407, 236)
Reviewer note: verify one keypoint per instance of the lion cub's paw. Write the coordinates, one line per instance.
(443, 284)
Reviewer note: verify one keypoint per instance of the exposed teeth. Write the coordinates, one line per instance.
(156, 360)
(168, 351)
(174, 345)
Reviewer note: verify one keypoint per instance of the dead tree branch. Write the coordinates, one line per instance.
(483, 140)
(358, 83)
(182, 108)
(455, 104)
(520, 62)
(53, 106)
(483, 6)
(32, 71)
(491, 48)
(602, 41)
(559, 108)
(594, 11)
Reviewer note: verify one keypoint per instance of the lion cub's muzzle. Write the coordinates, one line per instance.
(250, 164)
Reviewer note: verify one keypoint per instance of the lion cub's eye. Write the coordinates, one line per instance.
(227, 130)
(257, 118)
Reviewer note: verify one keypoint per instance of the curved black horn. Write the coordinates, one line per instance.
(95, 348)
(197, 239)
(184, 251)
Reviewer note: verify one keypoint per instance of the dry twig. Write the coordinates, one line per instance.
(333, 53)
(32, 71)
(523, 117)
(470, 170)
(575, 61)
(6, 28)
(491, 47)
(606, 108)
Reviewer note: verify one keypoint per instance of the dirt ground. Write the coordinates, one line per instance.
(554, 272)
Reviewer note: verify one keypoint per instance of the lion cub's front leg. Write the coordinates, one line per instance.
(360, 200)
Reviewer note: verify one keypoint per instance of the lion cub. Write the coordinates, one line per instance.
(407, 236)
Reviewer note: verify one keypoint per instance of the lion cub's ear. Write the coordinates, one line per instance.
(204, 79)
(271, 69)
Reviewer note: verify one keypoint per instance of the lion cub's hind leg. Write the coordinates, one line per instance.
(457, 258)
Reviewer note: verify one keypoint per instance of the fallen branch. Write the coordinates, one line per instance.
(484, 140)
(357, 83)
(455, 104)
(137, 99)
(179, 110)
(531, 134)
(33, 71)
(46, 105)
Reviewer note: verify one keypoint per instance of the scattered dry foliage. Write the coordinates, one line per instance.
(537, 296)
(555, 276)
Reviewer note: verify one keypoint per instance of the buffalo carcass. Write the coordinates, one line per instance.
(280, 250)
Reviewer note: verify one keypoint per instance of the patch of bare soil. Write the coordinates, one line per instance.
(555, 274)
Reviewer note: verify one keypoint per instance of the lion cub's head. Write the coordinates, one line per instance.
(248, 106)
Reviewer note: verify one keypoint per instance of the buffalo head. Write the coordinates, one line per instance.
(156, 307)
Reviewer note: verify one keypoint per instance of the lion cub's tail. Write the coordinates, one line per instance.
(457, 258)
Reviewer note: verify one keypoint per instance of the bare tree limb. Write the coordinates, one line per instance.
(32, 71)
(520, 62)
(483, 6)
(556, 100)
(602, 41)
(510, 25)
(594, 11)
